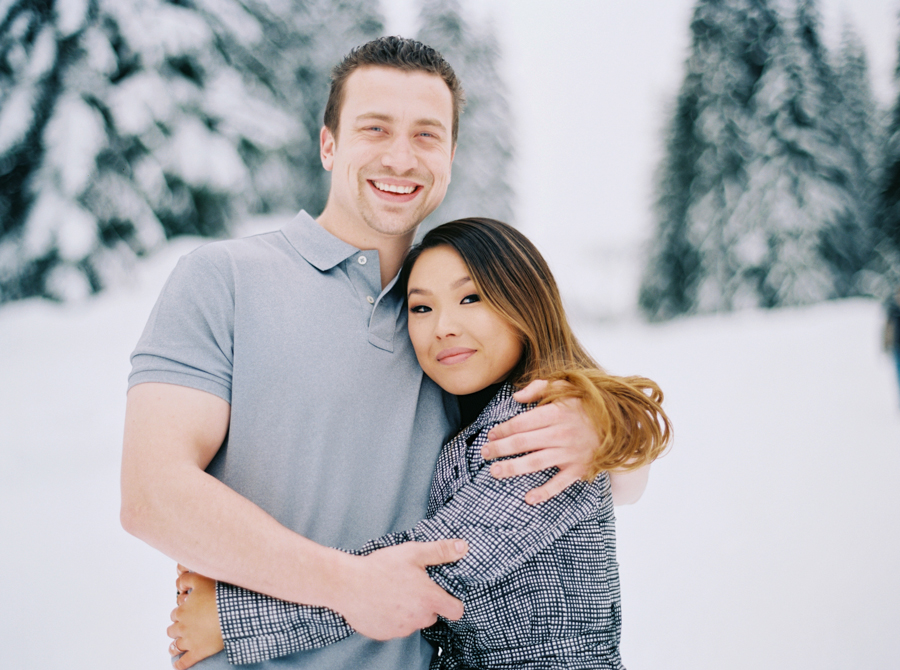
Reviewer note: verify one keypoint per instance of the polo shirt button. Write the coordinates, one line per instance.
(362, 260)
(370, 299)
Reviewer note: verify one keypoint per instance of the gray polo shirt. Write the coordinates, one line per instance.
(334, 428)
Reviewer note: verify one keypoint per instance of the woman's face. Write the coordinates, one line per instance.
(461, 343)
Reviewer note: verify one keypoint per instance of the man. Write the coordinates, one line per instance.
(276, 407)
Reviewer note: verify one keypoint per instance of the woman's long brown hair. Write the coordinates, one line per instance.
(513, 279)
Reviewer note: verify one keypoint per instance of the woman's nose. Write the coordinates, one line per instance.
(447, 325)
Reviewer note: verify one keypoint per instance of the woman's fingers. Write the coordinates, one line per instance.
(186, 660)
(185, 582)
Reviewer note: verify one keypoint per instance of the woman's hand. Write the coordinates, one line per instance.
(195, 632)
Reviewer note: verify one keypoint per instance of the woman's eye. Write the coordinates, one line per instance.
(419, 309)
(470, 299)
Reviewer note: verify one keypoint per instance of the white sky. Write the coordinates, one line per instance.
(590, 83)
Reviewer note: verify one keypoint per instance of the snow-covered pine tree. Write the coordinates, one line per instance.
(798, 235)
(122, 123)
(864, 123)
(480, 185)
(887, 219)
(705, 170)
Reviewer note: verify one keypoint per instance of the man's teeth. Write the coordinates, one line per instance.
(393, 188)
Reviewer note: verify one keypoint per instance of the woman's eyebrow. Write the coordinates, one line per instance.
(455, 285)
(459, 282)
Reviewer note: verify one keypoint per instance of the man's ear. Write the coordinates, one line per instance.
(326, 148)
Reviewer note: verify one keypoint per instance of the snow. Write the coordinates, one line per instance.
(236, 19)
(158, 30)
(767, 537)
(61, 222)
(16, 115)
(43, 55)
(140, 101)
(72, 139)
(70, 16)
(202, 157)
(244, 114)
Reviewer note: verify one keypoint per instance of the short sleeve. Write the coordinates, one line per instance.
(189, 337)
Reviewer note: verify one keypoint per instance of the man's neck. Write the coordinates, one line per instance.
(392, 249)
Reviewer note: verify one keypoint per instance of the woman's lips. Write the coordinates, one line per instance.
(454, 355)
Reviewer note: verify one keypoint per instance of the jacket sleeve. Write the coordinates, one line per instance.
(257, 627)
(502, 530)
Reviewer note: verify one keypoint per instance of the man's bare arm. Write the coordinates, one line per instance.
(171, 434)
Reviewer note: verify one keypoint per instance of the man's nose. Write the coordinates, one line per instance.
(400, 156)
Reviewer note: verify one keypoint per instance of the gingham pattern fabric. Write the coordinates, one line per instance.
(540, 583)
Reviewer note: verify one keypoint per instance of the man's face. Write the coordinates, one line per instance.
(391, 160)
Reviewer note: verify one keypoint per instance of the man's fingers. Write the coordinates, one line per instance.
(533, 462)
(512, 437)
(448, 606)
(440, 552)
(531, 393)
(559, 483)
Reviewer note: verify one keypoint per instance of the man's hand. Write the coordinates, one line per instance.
(556, 435)
(389, 594)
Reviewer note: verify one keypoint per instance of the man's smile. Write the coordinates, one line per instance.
(394, 188)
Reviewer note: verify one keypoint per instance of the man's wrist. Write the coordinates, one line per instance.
(330, 578)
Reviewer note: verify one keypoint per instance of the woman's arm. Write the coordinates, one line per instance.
(504, 531)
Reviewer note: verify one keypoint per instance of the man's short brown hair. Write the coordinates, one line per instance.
(398, 52)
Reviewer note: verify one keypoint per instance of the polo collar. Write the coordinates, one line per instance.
(319, 247)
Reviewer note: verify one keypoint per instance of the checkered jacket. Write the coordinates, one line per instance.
(540, 583)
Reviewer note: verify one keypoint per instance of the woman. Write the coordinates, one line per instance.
(539, 583)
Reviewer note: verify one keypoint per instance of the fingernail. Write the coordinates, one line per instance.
(461, 546)
(485, 451)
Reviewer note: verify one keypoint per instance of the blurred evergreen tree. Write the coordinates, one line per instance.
(801, 231)
(124, 123)
(708, 151)
(865, 124)
(765, 191)
(887, 220)
(480, 184)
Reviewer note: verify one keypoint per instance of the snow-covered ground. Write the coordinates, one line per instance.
(769, 536)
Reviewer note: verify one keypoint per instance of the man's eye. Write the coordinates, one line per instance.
(419, 309)
(470, 299)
